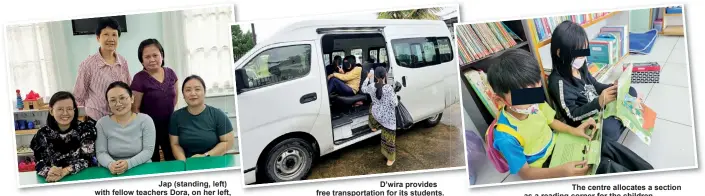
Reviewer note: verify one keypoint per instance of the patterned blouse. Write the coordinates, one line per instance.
(383, 110)
(74, 148)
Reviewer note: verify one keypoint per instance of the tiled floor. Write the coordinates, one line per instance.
(673, 144)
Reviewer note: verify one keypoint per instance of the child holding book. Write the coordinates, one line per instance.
(576, 92)
(526, 127)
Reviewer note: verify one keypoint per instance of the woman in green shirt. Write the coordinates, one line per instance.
(199, 130)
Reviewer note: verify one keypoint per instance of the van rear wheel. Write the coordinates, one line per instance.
(289, 160)
(434, 120)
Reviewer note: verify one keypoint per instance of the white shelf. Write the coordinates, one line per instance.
(220, 94)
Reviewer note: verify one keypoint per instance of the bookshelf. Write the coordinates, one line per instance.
(477, 49)
(672, 21)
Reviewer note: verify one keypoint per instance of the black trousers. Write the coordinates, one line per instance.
(162, 140)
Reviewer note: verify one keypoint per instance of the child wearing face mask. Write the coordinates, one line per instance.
(526, 126)
(575, 91)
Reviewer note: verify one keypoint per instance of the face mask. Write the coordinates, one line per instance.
(578, 63)
(533, 109)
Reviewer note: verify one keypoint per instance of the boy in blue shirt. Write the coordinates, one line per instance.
(526, 126)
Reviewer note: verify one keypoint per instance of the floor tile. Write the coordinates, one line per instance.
(671, 103)
(672, 146)
(487, 174)
(675, 74)
(644, 89)
(512, 178)
(678, 56)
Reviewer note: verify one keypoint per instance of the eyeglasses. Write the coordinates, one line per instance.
(121, 100)
(65, 110)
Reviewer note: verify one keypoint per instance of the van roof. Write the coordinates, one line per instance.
(306, 30)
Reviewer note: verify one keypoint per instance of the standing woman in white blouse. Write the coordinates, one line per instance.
(384, 102)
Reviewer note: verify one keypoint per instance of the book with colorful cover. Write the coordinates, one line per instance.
(478, 82)
(631, 111)
(623, 30)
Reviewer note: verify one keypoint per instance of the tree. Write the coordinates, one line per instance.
(242, 42)
(419, 14)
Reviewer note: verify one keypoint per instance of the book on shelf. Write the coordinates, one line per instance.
(603, 50)
(545, 26)
(477, 41)
(622, 33)
(478, 82)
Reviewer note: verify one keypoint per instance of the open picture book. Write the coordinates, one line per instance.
(630, 110)
(571, 148)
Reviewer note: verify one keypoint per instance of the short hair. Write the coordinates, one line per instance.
(118, 84)
(59, 96)
(149, 42)
(193, 77)
(105, 23)
(513, 69)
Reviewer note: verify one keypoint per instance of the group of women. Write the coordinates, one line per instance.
(127, 120)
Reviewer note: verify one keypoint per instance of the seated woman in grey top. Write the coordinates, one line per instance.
(125, 139)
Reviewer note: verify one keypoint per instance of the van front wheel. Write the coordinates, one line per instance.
(289, 160)
(434, 120)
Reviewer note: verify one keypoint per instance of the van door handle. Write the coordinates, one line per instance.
(403, 81)
(308, 98)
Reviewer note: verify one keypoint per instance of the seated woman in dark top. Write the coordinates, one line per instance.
(65, 145)
(199, 130)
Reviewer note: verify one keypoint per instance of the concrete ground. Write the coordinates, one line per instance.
(417, 149)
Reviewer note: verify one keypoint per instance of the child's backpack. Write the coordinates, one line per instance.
(493, 154)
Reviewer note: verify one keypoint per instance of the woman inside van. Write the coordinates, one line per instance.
(125, 138)
(65, 145)
(384, 102)
(155, 89)
(199, 130)
(346, 82)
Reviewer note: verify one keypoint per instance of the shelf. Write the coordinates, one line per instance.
(586, 25)
(467, 66)
(601, 78)
(676, 14)
(34, 110)
(26, 132)
(673, 30)
(24, 154)
(220, 94)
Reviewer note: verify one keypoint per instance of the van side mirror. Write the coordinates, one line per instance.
(397, 87)
(240, 80)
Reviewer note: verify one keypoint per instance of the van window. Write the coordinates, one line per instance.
(276, 65)
(326, 59)
(338, 53)
(382, 55)
(421, 52)
(373, 55)
(358, 54)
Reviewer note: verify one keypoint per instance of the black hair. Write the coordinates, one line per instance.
(566, 37)
(352, 60)
(118, 84)
(193, 77)
(337, 60)
(380, 76)
(149, 42)
(59, 96)
(513, 69)
(106, 22)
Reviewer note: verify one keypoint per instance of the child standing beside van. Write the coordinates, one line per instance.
(384, 103)
(526, 128)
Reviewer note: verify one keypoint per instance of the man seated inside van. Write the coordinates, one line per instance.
(346, 81)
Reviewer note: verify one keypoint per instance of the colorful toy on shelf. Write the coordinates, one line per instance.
(20, 104)
(33, 101)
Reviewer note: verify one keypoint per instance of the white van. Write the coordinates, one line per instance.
(287, 118)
